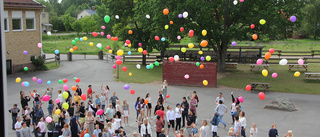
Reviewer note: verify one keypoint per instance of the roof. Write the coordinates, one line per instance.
(91, 12)
(22, 4)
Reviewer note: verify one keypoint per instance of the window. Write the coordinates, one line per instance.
(5, 21)
(30, 20)
(43, 15)
(17, 21)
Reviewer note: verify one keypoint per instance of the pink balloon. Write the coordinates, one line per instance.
(34, 79)
(271, 50)
(241, 99)
(65, 87)
(178, 37)
(186, 76)
(259, 61)
(300, 61)
(118, 57)
(103, 27)
(114, 66)
(102, 33)
(108, 36)
(49, 119)
(241, 0)
(125, 44)
(46, 98)
(274, 75)
(100, 112)
(57, 101)
(140, 44)
(40, 45)
(22, 84)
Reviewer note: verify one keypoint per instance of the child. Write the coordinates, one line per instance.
(96, 131)
(135, 134)
(194, 129)
(97, 100)
(170, 119)
(273, 132)
(162, 133)
(113, 99)
(14, 113)
(117, 120)
(253, 130)
(125, 110)
(37, 132)
(66, 131)
(18, 126)
(214, 123)
(178, 116)
(103, 100)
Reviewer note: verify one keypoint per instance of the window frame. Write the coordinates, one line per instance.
(21, 24)
(17, 15)
(31, 15)
(6, 25)
(34, 24)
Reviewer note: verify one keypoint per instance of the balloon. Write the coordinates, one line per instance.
(176, 57)
(130, 74)
(186, 76)
(48, 119)
(77, 80)
(233, 43)
(265, 72)
(39, 45)
(205, 82)
(197, 64)
(293, 18)
(147, 67)
(74, 78)
(25, 68)
(202, 58)
(297, 74)
(58, 111)
(118, 57)
(110, 51)
(178, 37)
(107, 18)
(259, 61)
(128, 41)
(185, 14)
(190, 45)
(108, 47)
(57, 101)
(183, 49)
(156, 63)
(64, 80)
(146, 101)
(75, 48)
(235, 2)
(181, 29)
(171, 22)
(99, 45)
(201, 66)
(70, 50)
(129, 52)
(140, 50)
(26, 84)
(114, 66)
(241, 99)
(65, 105)
(130, 31)
(208, 58)
(140, 44)
(204, 32)
(124, 69)
(165, 11)
(34, 79)
(116, 16)
(200, 52)
(271, 50)
(241, 0)
(25, 52)
(119, 62)
(18, 79)
(73, 42)
(274, 75)
(126, 86)
(163, 39)
(300, 61)
(46, 98)
(100, 112)
(60, 81)
(171, 59)
(204, 43)
(49, 82)
(74, 88)
(87, 135)
(283, 62)
(148, 16)
(168, 96)
(255, 36)
(132, 91)
(49, 33)
(252, 26)
(129, 45)
(262, 21)
(39, 81)
(151, 66)
(108, 36)
(85, 38)
(83, 97)
(120, 52)
(103, 27)
(180, 16)
(191, 31)
(262, 95)
(138, 66)
(65, 87)
(166, 26)
(56, 51)
(267, 55)
(145, 52)
(94, 34)
(102, 33)
(248, 87)
(157, 38)
(91, 44)
(191, 34)
(65, 95)
(76, 39)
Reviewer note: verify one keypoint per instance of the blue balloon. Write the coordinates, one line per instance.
(49, 82)
(56, 51)
(129, 52)
(81, 39)
(26, 84)
(87, 135)
(163, 39)
(148, 67)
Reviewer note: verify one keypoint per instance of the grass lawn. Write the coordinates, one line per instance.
(285, 82)
(142, 75)
(52, 65)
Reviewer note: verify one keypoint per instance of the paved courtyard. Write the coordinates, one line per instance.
(303, 122)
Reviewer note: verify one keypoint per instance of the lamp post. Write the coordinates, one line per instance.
(55, 37)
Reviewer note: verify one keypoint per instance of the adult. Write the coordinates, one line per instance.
(25, 130)
(159, 125)
(106, 91)
(90, 92)
(146, 129)
(159, 106)
(136, 106)
(140, 119)
(221, 109)
(42, 126)
(193, 104)
(237, 126)
(219, 98)
(273, 132)
(149, 106)
(90, 123)
(164, 90)
(190, 120)
(170, 119)
(113, 99)
(74, 127)
(205, 129)
(24, 100)
(289, 134)
(243, 122)
(82, 114)
(79, 90)
(254, 130)
(14, 113)
(109, 113)
(18, 126)
(185, 106)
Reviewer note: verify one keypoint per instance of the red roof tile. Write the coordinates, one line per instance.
(22, 4)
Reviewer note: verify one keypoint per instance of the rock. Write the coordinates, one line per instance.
(281, 104)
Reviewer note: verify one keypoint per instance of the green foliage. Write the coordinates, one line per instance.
(57, 23)
(74, 10)
(88, 24)
(101, 12)
(39, 63)
(311, 20)
(67, 21)
(77, 26)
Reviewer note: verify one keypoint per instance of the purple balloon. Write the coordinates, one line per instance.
(202, 58)
(293, 18)
(39, 81)
(126, 86)
(25, 52)
(180, 15)
(234, 43)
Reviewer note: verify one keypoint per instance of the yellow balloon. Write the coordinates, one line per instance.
(65, 105)
(65, 95)
(130, 74)
(262, 21)
(85, 38)
(71, 50)
(204, 32)
(91, 44)
(190, 45)
(205, 82)
(18, 79)
(208, 58)
(166, 26)
(110, 51)
(265, 72)
(129, 45)
(200, 52)
(120, 52)
(297, 74)
(183, 49)
(140, 50)
(58, 111)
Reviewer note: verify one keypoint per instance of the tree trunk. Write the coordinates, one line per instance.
(222, 57)
(144, 59)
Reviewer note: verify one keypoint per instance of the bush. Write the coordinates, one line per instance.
(39, 63)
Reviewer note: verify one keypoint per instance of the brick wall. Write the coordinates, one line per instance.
(174, 73)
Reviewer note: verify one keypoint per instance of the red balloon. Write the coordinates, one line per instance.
(119, 62)
(94, 34)
(65, 80)
(115, 39)
(271, 50)
(181, 29)
(124, 69)
(191, 31)
(145, 52)
(157, 38)
(168, 96)
(128, 41)
(108, 47)
(248, 87)
(132, 91)
(77, 80)
(190, 34)
(262, 95)
(252, 26)
(171, 59)
(84, 97)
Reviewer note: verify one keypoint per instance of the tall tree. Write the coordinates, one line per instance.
(77, 26)
(88, 24)
(311, 20)
(67, 21)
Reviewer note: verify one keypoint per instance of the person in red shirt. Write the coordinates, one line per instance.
(89, 92)
(161, 113)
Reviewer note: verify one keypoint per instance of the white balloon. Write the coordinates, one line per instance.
(117, 16)
(235, 2)
(49, 33)
(99, 45)
(283, 62)
(138, 66)
(148, 16)
(176, 57)
(185, 14)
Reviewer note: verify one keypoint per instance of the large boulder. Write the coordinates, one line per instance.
(281, 104)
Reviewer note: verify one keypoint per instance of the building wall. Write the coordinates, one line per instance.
(46, 18)
(83, 14)
(19, 41)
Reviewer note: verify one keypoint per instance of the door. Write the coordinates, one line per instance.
(9, 67)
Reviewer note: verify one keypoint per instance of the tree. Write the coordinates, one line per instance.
(88, 24)
(77, 26)
(311, 20)
(67, 21)
(57, 23)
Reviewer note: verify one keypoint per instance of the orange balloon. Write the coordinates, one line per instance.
(32, 94)
(204, 43)
(267, 55)
(201, 66)
(74, 88)
(130, 31)
(171, 22)
(165, 11)
(146, 101)
(255, 36)
(75, 48)
(112, 38)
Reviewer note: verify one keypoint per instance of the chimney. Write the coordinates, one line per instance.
(93, 7)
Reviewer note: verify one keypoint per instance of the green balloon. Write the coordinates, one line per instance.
(60, 81)
(156, 63)
(107, 18)
(73, 42)
(100, 48)
(77, 39)
(151, 66)
(25, 68)
(74, 78)
(197, 64)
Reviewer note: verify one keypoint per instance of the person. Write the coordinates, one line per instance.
(289, 134)
(109, 126)
(234, 112)
(109, 113)
(170, 119)
(235, 100)
(77, 97)
(37, 98)
(243, 122)
(185, 106)
(141, 105)
(273, 132)
(14, 113)
(190, 120)
(146, 129)
(37, 132)
(42, 126)
(66, 131)
(125, 110)
(60, 97)
(74, 127)
(193, 104)
(205, 130)
(106, 132)
(100, 119)
(50, 127)
(195, 97)
(178, 112)
(113, 99)
(180, 133)
(49, 92)
(114, 126)
(136, 106)
(219, 98)
(254, 130)
(96, 131)
(38, 113)
(221, 109)
(160, 98)
(231, 132)
(18, 126)
(140, 119)
(214, 123)
(161, 113)
(50, 107)
(82, 114)
(97, 100)
(26, 115)
(118, 110)
(24, 101)
(91, 108)
(159, 106)
(106, 93)
(194, 129)
(90, 92)
(162, 134)
(237, 126)
(149, 106)
(164, 89)
(103, 100)
(159, 125)
(79, 90)
(57, 130)
(135, 134)
(25, 130)
(71, 108)
(55, 117)
(76, 112)
(117, 120)
(90, 123)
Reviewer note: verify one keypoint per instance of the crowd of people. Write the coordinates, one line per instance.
(104, 115)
